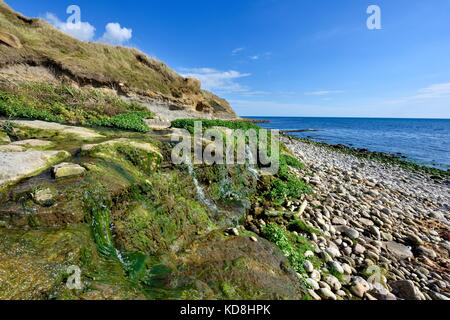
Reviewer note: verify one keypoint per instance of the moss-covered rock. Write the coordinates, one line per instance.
(46, 130)
(220, 267)
(17, 166)
(66, 170)
(162, 216)
(35, 144)
(11, 148)
(34, 265)
(4, 138)
(140, 157)
(44, 197)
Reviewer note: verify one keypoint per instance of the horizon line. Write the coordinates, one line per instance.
(346, 117)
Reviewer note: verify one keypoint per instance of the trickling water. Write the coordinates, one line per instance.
(200, 193)
(251, 162)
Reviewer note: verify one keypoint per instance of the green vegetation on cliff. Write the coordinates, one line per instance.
(188, 124)
(35, 43)
(66, 104)
(293, 246)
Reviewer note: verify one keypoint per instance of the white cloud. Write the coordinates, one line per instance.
(81, 30)
(215, 80)
(432, 92)
(265, 55)
(115, 34)
(321, 93)
(236, 51)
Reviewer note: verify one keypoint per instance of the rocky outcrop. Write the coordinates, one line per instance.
(10, 40)
(79, 133)
(16, 166)
(33, 144)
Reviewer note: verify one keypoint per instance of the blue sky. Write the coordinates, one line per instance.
(287, 57)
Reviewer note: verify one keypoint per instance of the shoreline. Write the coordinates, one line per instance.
(383, 157)
(376, 216)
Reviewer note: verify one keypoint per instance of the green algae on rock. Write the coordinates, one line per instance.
(66, 170)
(220, 267)
(44, 129)
(4, 138)
(17, 166)
(35, 144)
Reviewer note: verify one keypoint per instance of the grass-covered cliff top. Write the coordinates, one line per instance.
(34, 42)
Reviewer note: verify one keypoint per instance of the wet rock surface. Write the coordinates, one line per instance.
(237, 267)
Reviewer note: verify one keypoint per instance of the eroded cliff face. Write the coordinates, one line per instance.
(32, 50)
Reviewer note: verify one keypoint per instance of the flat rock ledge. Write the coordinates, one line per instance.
(148, 147)
(33, 143)
(77, 132)
(16, 166)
